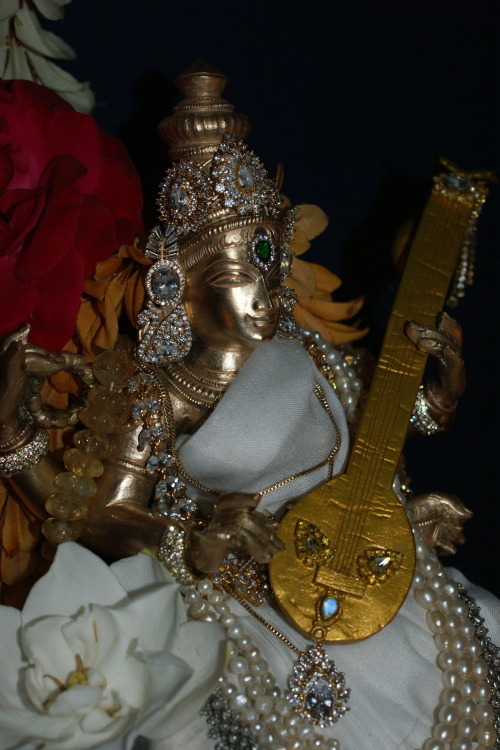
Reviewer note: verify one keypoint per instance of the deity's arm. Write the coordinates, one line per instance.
(438, 397)
(118, 521)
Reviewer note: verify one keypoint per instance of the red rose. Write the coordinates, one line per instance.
(69, 197)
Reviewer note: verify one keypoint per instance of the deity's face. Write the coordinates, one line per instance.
(228, 298)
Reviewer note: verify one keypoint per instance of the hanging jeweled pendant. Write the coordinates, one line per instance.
(316, 689)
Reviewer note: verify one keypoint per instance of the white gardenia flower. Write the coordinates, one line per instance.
(27, 51)
(102, 655)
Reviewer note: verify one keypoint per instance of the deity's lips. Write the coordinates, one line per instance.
(264, 318)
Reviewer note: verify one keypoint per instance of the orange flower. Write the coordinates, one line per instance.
(314, 285)
(19, 548)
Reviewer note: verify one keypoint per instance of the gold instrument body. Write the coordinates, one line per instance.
(349, 557)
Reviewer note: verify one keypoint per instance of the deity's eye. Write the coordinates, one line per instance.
(227, 273)
(262, 251)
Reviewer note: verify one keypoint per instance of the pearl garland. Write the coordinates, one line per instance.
(337, 371)
(464, 716)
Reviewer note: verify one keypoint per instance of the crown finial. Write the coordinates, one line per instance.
(200, 121)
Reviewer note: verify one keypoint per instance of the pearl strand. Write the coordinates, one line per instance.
(464, 717)
(248, 686)
(337, 371)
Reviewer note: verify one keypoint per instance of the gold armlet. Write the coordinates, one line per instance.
(422, 419)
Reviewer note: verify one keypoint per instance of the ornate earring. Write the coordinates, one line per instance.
(288, 326)
(164, 330)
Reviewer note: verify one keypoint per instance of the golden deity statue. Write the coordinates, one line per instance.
(197, 440)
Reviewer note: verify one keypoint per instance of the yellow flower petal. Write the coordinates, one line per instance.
(311, 220)
(108, 267)
(134, 296)
(303, 278)
(332, 311)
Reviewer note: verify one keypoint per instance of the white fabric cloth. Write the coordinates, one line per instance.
(270, 425)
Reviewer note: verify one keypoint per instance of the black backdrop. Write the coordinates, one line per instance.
(356, 99)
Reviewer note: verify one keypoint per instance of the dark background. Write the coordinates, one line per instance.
(356, 99)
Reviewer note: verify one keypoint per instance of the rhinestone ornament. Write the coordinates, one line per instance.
(240, 179)
(262, 251)
(165, 283)
(184, 198)
(316, 689)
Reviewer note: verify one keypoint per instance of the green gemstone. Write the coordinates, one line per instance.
(263, 250)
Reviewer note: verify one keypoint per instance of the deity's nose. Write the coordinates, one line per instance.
(260, 304)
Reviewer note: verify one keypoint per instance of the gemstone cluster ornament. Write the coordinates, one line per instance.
(377, 564)
(240, 179)
(164, 341)
(162, 243)
(184, 198)
(289, 221)
(316, 689)
(288, 327)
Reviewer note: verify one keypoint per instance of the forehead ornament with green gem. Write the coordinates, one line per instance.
(262, 251)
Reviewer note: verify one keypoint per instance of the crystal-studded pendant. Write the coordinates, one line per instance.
(316, 690)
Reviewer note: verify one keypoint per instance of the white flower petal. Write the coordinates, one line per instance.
(78, 700)
(166, 614)
(42, 644)
(164, 675)
(140, 572)
(39, 686)
(76, 576)
(29, 32)
(8, 8)
(17, 65)
(99, 720)
(50, 75)
(203, 646)
(96, 636)
(51, 9)
(11, 660)
(146, 671)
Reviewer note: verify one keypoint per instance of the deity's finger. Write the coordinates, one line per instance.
(237, 501)
(450, 326)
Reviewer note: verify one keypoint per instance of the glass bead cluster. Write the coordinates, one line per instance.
(107, 409)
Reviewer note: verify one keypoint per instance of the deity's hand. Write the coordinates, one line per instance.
(445, 344)
(23, 369)
(234, 527)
